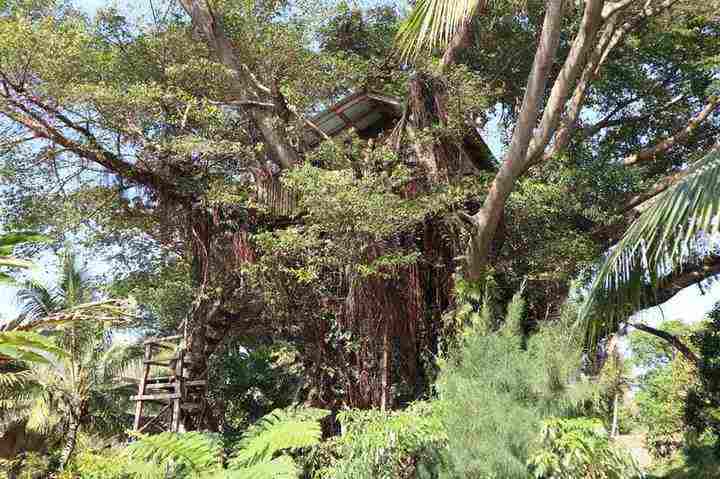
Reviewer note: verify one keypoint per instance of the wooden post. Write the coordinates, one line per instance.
(179, 392)
(141, 387)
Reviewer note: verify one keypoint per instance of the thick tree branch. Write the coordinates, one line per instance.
(488, 218)
(577, 102)
(681, 136)
(460, 42)
(463, 37)
(653, 191)
(689, 275)
(245, 83)
(611, 8)
(41, 127)
(674, 341)
(575, 61)
(613, 33)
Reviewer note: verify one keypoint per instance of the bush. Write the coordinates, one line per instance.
(499, 386)
(580, 449)
(384, 445)
(262, 453)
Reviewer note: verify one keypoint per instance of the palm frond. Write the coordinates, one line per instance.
(15, 380)
(43, 416)
(37, 300)
(434, 23)
(6, 279)
(72, 286)
(119, 360)
(28, 346)
(14, 262)
(8, 242)
(674, 231)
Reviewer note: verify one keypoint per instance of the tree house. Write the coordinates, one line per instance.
(165, 383)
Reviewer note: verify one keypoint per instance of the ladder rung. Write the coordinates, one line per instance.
(167, 385)
(150, 362)
(159, 341)
(159, 379)
(160, 386)
(156, 397)
(190, 406)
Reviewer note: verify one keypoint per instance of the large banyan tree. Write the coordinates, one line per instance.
(319, 186)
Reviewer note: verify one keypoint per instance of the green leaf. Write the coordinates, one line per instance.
(282, 467)
(6, 279)
(668, 234)
(278, 431)
(433, 23)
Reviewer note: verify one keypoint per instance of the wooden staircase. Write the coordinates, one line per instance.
(183, 397)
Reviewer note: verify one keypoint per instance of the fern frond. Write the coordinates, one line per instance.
(201, 453)
(280, 430)
(146, 470)
(282, 467)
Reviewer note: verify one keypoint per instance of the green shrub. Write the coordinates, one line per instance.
(499, 386)
(580, 449)
(384, 445)
(262, 453)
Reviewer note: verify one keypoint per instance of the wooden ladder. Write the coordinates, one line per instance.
(173, 389)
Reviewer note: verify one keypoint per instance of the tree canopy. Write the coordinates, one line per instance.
(331, 191)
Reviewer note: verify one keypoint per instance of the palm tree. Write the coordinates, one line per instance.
(79, 389)
(26, 346)
(677, 229)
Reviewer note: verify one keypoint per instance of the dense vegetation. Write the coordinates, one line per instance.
(381, 298)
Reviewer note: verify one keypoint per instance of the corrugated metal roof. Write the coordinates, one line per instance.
(363, 109)
(359, 111)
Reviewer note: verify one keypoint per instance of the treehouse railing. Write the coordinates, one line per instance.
(182, 396)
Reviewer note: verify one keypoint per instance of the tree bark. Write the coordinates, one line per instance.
(574, 63)
(486, 221)
(70, 442)
(613, 33)
(245, 83)
(460, 42)
(681, 136)
(674, 341)
(385, 400)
